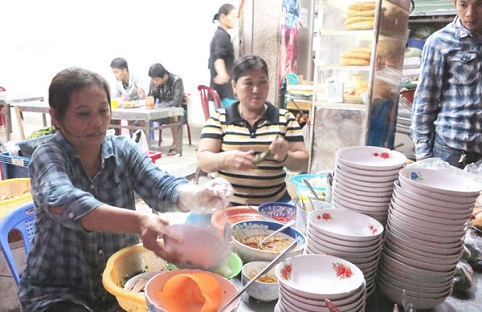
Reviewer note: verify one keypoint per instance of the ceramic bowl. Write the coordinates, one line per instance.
(367, 199)
(373, 172)
(245, 229)
(306, 304)
(433, 254)
(156, 285)
(431, 203)
(432, 223)
(231, 215)
(346, 224)
(200, 248)
(333, 239)
(419, 208)
(382, 192)
(358, 180)
(280, 212)
(370, 157)
(364, 179)
(440, 182)
(302, 275)
(407, 236)
(343, 200)
(260, 290)
(360, 188)
(407, 259)
(438, 235)
(417, 300)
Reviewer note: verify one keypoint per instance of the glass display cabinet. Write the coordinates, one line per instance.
(359, 54)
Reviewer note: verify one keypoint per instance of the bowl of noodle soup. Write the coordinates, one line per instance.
(247, 234)
(266, 287)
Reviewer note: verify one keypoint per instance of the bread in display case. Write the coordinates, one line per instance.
(359, 57)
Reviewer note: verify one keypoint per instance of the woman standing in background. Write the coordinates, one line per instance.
(221, 55)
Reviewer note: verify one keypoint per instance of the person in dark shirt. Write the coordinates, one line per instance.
(221, 53)
(168, 91)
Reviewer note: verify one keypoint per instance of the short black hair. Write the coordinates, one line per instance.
(157, 70)
(119, 63)
(246, 63)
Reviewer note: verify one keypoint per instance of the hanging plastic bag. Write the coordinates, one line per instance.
(140, 139)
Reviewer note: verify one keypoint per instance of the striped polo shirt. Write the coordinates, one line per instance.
(266, 182)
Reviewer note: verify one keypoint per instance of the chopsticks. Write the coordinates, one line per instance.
(263, 271)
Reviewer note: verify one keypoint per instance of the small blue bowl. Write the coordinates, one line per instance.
(280, 212)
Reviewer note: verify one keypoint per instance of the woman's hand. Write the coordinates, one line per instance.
(153, 227)
(279, 149)
(239, 160)
(221, 79)
(207, 198)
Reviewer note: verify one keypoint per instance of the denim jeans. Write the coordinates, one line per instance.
(452, 155)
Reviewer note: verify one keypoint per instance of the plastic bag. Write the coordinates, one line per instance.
(140, 139)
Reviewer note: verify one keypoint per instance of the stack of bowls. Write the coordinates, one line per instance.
(350, 235)
(424, 239)
(305, 282)
(364, 177)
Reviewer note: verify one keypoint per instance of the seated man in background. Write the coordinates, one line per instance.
(127, 86)
(168, 91)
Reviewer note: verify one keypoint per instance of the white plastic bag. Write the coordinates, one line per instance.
(140, 139)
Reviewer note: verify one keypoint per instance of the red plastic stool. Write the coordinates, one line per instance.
(154, 156)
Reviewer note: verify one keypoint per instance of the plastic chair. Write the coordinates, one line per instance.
(186, 98)
(206, 93)
(21, 219)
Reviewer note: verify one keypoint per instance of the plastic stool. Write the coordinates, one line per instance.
(154, 156)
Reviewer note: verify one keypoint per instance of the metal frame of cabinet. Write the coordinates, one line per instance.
(356, 104)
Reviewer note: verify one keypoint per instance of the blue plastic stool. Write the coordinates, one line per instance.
(21, 219)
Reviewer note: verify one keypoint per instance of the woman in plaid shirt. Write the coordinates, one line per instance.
(83, 185)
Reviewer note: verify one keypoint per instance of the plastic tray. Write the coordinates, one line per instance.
(19, 189)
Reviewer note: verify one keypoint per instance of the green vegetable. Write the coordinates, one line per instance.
(41, 132)
(261, 156)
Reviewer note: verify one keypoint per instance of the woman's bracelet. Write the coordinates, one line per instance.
(284, 159)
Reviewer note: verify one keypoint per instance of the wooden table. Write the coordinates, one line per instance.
(129, 114)
(9, 102)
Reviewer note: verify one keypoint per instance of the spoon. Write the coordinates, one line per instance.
(308, 184)
(263, 271)
(287, 225)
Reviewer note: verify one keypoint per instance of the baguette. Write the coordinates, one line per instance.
(354, 62)
(362, 6)
(361, 25)
(356, 55)
(352, 13)
(357, 19)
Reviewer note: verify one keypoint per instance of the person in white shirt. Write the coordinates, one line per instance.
(128, 86)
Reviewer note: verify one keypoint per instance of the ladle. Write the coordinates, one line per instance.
(286, 225)
(263, 271)
(308, 184)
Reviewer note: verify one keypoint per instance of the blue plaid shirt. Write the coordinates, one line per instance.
(66, 262)
(448, 99)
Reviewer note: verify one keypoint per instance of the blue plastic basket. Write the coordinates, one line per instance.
(27, 147)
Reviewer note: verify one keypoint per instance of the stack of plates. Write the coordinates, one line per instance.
(350, 235)
(307, 280)
(364, 177)
(424, 239)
